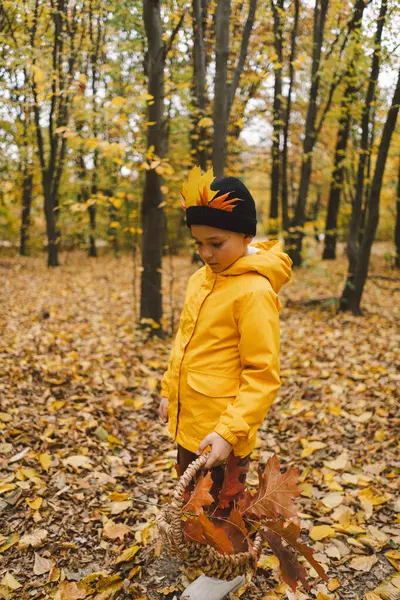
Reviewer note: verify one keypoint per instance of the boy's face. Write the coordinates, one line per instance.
(219, 248)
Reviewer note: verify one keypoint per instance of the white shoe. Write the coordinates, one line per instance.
(210, 588)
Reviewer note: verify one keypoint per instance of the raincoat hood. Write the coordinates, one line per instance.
(269, 260)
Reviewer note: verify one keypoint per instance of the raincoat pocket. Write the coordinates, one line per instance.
(212, 385)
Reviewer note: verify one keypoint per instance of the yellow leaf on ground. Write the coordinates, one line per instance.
(54, 575)
(113, 440)
(333, 585)
(268, 562)
(35, 504)
(10, 581)
(306, 490)
(380, 435)
(7, 487)
(119, 496)
(310, 447)
(372, 496)
(343, 515)
(320, 532)
(9, 541)
(393, 557)
(167, 590)
(45, 460)
(127, 554)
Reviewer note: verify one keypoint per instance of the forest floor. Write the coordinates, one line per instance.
(80, 436)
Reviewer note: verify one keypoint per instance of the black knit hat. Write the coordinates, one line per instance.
(241, 217)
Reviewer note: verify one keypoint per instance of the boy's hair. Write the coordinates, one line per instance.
(223, 202)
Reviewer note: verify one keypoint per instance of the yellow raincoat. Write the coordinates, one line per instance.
(223, 372)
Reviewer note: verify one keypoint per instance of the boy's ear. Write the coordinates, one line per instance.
(249, 238)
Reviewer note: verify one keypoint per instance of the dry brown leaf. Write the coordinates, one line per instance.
(339, 463)
(332, 500)
(34, 539)
(363, 563)
(78, 461)
(114, 531)
(69, 590)
(41, 565)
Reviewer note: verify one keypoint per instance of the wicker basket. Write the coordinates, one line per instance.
(208, 559)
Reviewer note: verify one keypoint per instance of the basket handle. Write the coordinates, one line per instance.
(187, 477)
(178, 501)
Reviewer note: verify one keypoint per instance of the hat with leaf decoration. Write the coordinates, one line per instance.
(223, 202)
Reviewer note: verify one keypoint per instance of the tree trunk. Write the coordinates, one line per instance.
(92, 208)
(296, 229)
(276, 117)
(26, 211)
(337, 180)
(342, 138)
(354, 294)
(224, 95)
(153, 218)
(353, 247)
(199, 82)
(397, 227)
(220, 116)
(285, 194)
(65, 51)
(50, 205)
(96, 39)
(92, 237)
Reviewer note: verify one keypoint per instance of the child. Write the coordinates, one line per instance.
(223, 372)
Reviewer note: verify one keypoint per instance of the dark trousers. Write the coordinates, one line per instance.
(185, 457)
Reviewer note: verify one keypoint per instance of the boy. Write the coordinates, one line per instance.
(223, 372)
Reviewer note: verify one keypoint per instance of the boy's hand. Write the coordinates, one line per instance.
(220, 449)
(163, 409)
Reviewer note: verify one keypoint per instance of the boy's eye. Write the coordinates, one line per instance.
(216, 245)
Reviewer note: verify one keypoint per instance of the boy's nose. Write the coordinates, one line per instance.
(206, 254)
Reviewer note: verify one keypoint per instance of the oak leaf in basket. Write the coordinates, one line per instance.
(201, 529)
(232, 487)
(200, 496)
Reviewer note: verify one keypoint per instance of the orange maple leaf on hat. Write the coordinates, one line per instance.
(197, 192)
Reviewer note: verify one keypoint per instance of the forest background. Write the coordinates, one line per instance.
(106, 106)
